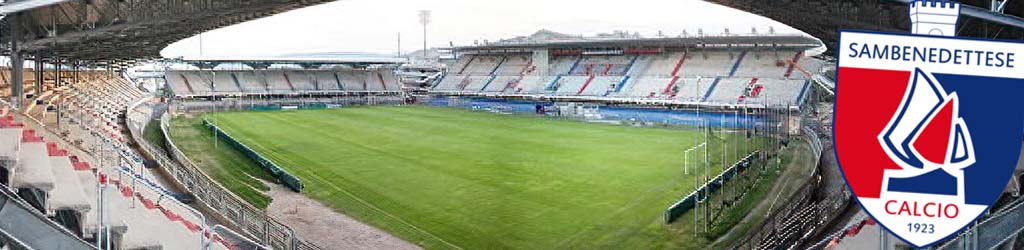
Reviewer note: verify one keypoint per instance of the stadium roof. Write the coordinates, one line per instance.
(823, 19)
(309, 60)
(785, 41)
(123, 29)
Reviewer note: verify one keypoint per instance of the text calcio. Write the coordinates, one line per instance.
(933, 55)
(923, 209)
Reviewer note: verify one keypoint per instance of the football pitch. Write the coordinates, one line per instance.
(448, 178)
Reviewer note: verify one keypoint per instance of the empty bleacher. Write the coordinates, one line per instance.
(277, 82)
(482, 65)
(500, 84)
(250, 83)
(708, 64)
(224, 82)
(514, 65)
(531, 85)
(61, 172)
(562, 65)
(199, 82)
(764, 65)
(194, 83)
(569, 85)
(728, 90)
(327, 81)
(352, 80)
(603, 65)
(712, 76)
(600, 85)
(299, 81)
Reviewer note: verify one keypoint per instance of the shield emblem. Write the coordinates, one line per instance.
(927, 128)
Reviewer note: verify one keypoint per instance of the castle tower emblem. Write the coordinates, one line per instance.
(936, 18)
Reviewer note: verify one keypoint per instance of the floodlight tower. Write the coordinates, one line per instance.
(424, 20)
(937, 18)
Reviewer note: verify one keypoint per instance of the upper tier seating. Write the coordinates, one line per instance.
(514, 65)
(602, 65)
(481, 65)
(255, 82)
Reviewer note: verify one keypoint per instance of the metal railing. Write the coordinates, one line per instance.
(7, 241)
(210, 194)
(993, 231)
(803, 215)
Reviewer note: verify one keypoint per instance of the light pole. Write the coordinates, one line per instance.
(424, 20)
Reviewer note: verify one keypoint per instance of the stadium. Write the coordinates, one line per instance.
(710, 140)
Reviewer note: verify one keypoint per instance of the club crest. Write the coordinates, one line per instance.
(926, 130)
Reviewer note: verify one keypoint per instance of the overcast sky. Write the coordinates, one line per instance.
(373, 25)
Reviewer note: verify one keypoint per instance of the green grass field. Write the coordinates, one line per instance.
(456, 179)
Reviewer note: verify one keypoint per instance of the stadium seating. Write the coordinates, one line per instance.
(500, 84)
(569, 85)
(298, 80)
(224, 82)
(562, 65)
(600, 85)
(277, 82)
(193, 83)
(764, 64)
(482, 65)
(721, 77)
(250, 83)
(603, 65)
(55, 167)
(327, 81)
(692, 89)
(532, 85)
(708, 64)
(514, 65)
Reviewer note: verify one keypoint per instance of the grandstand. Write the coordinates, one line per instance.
(209, 83)
(73, 165)
(730, 71)
(73, 178)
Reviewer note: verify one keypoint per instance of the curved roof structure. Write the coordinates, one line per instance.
(124, 29)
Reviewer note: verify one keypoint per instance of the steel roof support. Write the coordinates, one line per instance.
(17, 63)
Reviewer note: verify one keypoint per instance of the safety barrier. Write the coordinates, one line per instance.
(802, 214)
(690, 201)
(225, 205)
(288, 179)
(999, 228)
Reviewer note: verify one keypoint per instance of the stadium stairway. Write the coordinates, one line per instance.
(63, 186)
(465, 66)
(711, 89)
(792, 64)
(587, 83)
(736, 66)
(291, 86)
(553, 85)
(671, 86)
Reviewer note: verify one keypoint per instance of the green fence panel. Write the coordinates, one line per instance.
(289, 180)
(690, 201)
